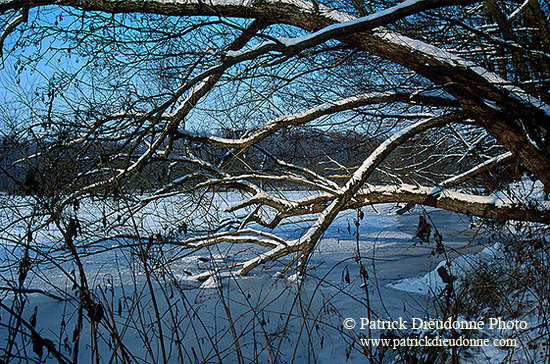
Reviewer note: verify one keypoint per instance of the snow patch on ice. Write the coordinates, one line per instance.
(211, 283)
(294, 278)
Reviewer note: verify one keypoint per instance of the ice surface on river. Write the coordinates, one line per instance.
(331, 288)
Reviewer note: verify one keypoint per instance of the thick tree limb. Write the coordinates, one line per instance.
(493, 207)
(308, 241)
(468, 82)
(481, 206)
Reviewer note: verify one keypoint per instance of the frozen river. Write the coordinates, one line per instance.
(271, 313)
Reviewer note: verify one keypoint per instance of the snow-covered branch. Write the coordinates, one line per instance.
(347, 193)
(274, 125)
(10, 27)
(479, 90)
(492, 207)
(481, 168)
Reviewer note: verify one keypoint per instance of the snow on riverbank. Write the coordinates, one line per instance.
(432, 283)
(520, 308)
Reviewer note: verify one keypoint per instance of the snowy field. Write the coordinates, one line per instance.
(273, 313)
